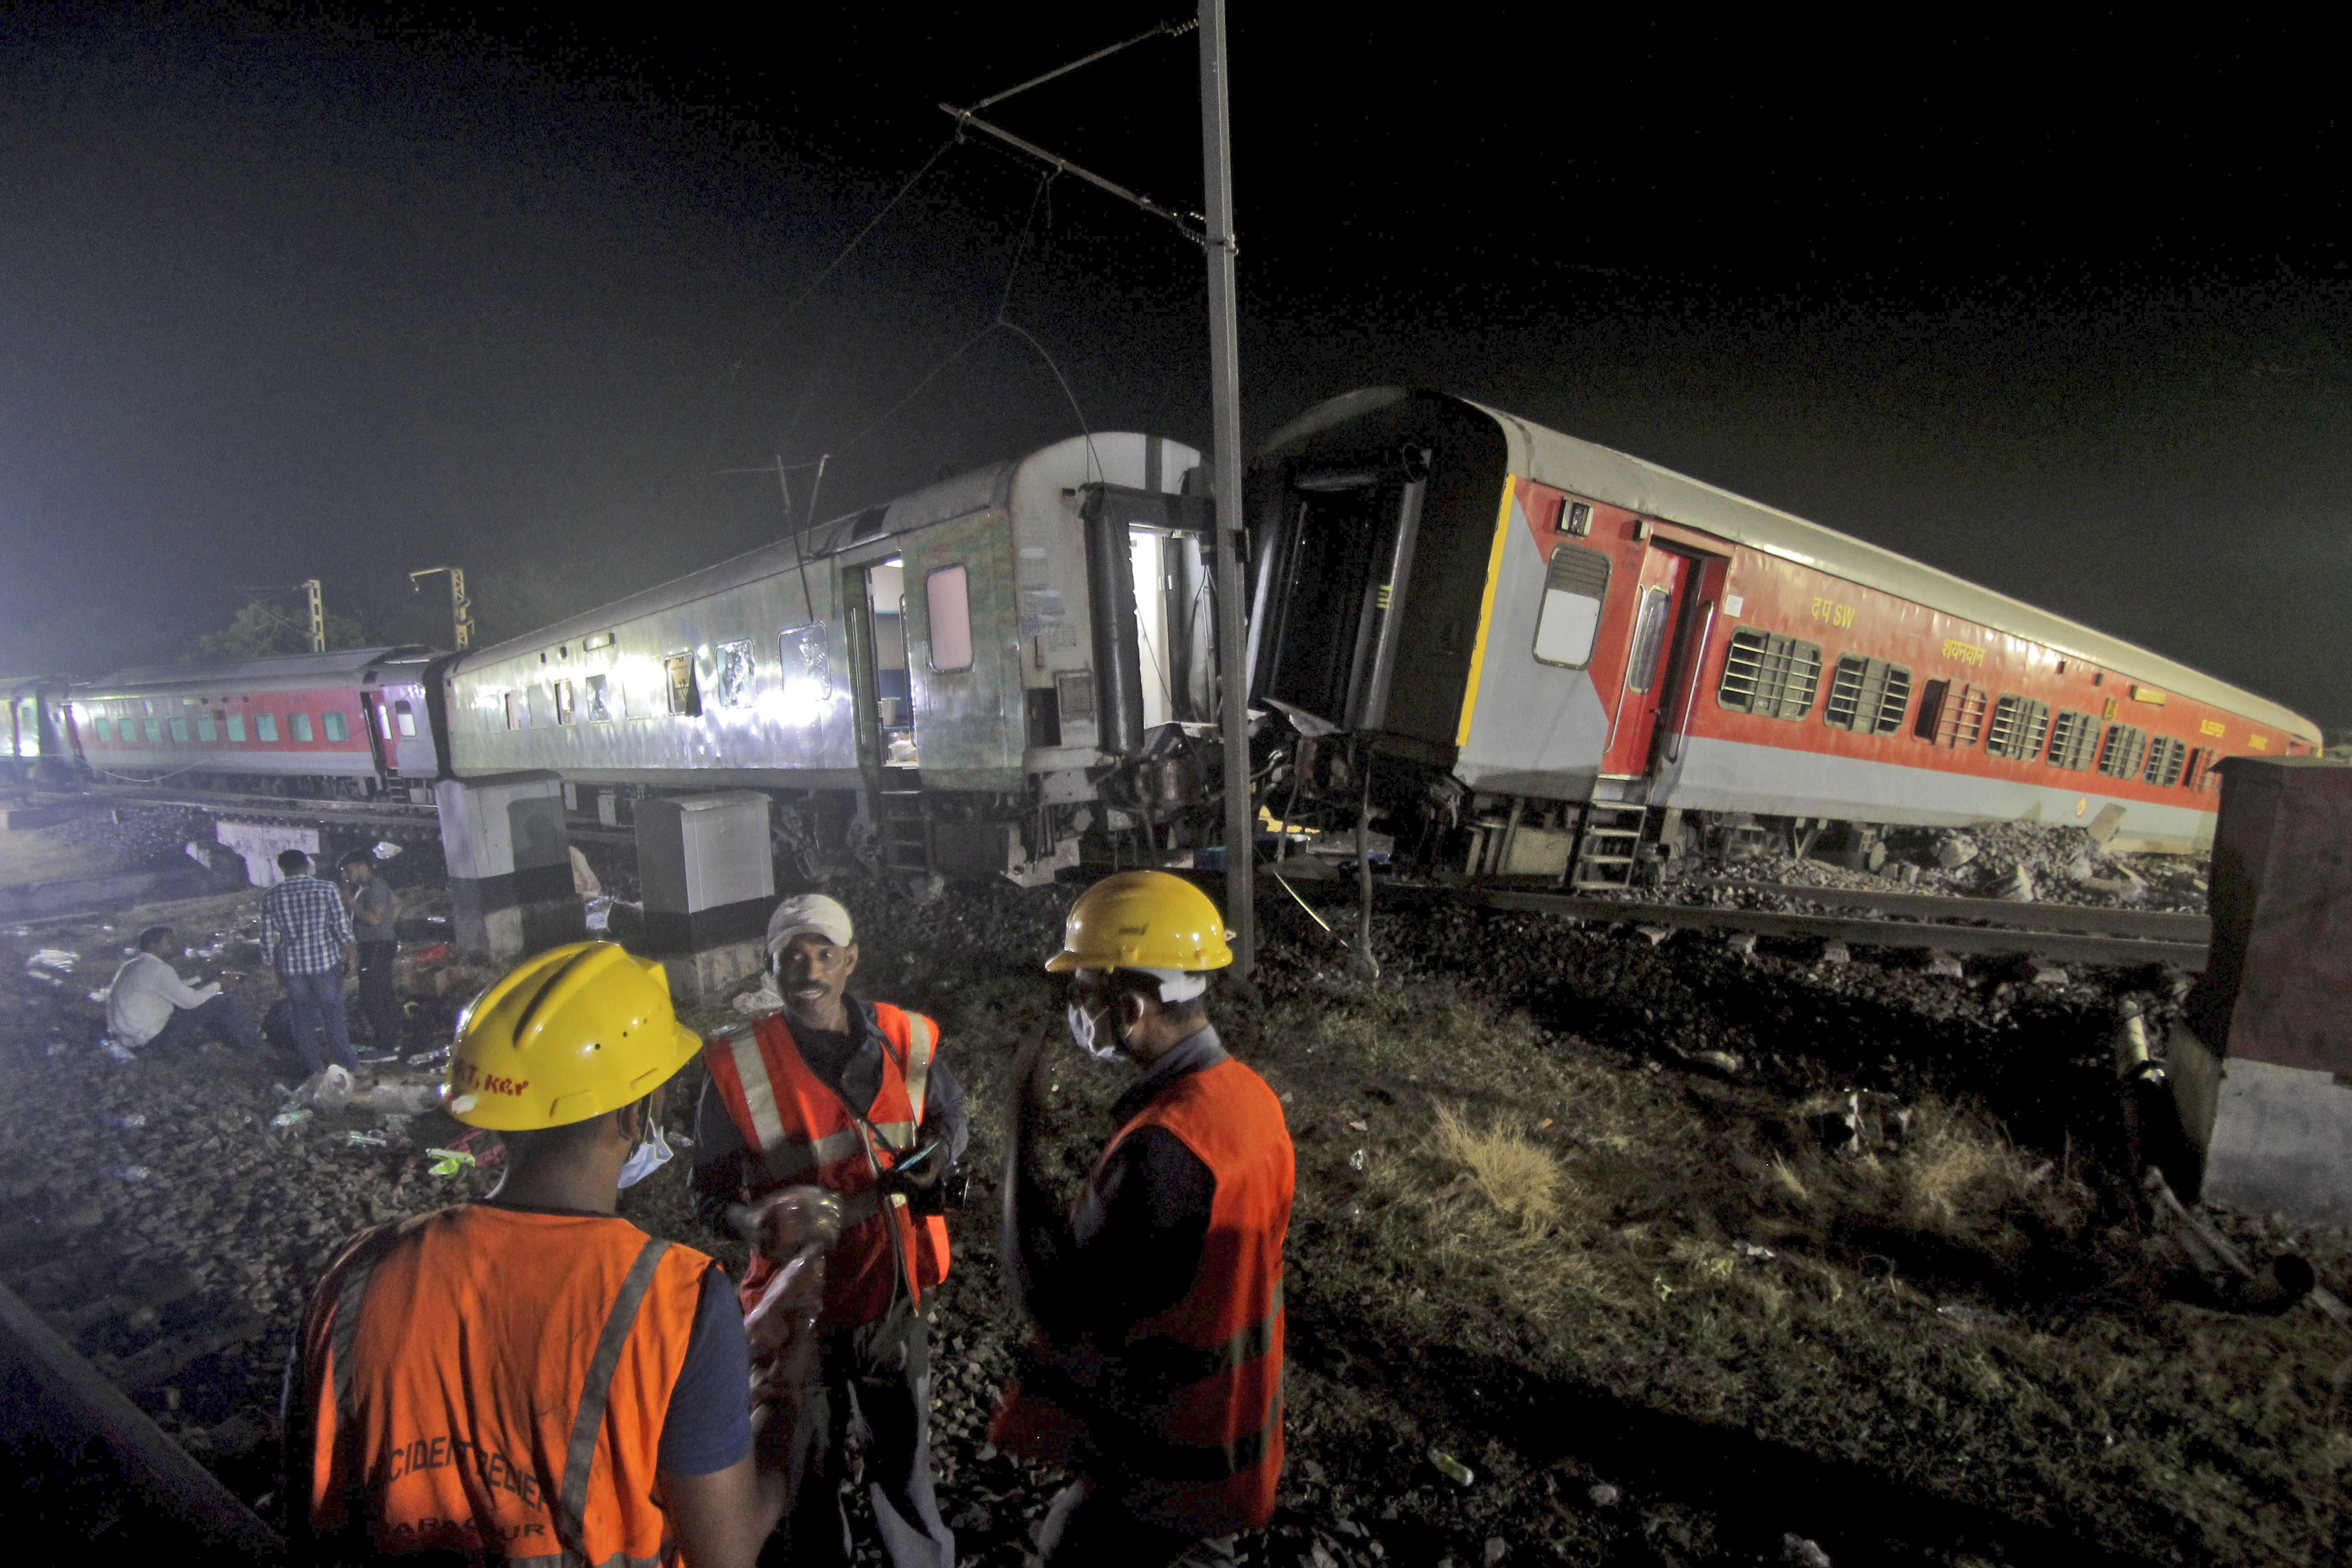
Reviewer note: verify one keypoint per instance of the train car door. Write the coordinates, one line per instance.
(876, 599)
(964, 652)
(1644, 694)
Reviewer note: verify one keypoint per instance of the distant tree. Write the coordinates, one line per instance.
(260, 631)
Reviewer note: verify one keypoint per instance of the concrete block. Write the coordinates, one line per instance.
(2273, 1138)
(510, 886)
(706, 871)
(261, 844)
(712, 977)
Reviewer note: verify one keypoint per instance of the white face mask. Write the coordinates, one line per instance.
(646, 1158)
(1096, 1034)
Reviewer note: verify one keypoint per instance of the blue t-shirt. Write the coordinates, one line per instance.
(708, 1424)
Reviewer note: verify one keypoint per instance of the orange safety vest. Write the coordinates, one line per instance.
(806, 1132)
(494, 1382)
(1204, 1376)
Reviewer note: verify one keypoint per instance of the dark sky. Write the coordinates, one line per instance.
(286, 291)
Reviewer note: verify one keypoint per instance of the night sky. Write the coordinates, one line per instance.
(288, 292)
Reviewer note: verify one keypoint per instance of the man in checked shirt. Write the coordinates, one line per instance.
(306, 935)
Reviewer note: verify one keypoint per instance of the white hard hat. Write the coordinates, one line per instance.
(809, 912)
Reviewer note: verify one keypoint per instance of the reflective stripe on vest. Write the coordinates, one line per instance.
(803, 1131)
(1204, 1376)
(456, 1408)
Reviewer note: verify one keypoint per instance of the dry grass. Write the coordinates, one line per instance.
(1520, 1179)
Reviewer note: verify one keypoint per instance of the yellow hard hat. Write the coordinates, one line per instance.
(563, 1035)
(1142, 920)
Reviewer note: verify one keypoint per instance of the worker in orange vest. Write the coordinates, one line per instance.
(1157, 1370)
(531, 1376)
(850, 1095)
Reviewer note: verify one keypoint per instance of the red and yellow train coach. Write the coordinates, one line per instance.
(1578, 637)
(349, 722)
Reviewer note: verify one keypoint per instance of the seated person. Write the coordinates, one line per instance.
(149, 1004)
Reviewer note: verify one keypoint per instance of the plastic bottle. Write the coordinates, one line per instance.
(125, 1119)
(124, 1173)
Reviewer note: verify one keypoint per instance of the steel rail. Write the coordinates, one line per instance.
(301, 808)
(2155, 924)
(2073, 947)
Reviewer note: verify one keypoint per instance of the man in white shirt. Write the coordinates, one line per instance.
(150, 1004)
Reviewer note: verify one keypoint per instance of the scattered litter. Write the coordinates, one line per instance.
(2046, 973)
(434, 954)
(116, 1051)
(2017, 890)
(385, 849)
(1805, 1554)
(198, 851)
(600, 914)
(100, 996)
(1946, 964)
(125, 1119)
(1655, 933)
(290, 1117)
(1742, 943)
(408, 1098)
(1723, 1062)
(1359, 1126)
(1544, 1123)
(397, 1126)
(124, 1173)
(1956, 851)
(422, 1057)
(55, 958)
(1452, 1469)
(329, 1087)
(57, 1049)
(1752, 1252)
(1602, 1494)
(1356, 1161)
(366, 1140)
(447, 1162)
(1836, 952)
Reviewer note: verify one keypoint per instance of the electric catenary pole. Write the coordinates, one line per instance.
(1225, 456)
(310, 586)
(461, 608)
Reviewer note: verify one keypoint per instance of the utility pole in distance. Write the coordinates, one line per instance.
(310, 586)
(461, 608)
(1225, 454)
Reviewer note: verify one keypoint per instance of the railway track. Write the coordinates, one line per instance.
(382, 814)
(2064, 933)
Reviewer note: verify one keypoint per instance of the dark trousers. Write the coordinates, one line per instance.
(1088, 1527)
(377, 1001)
(318, 999)
(220, 1012)
(878, 1375)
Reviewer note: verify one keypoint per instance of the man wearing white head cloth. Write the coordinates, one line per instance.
(852, 1096)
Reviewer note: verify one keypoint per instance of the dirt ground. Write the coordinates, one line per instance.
(1687, 1256)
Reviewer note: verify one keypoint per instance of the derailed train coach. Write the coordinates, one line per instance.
(1573, 663)
(974, 677)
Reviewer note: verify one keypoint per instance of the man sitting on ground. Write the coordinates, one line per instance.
(150, 1004)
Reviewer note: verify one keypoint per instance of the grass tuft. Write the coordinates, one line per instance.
(1517, 1176)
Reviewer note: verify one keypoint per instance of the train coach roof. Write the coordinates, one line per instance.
(1600, 473)
(344, 664)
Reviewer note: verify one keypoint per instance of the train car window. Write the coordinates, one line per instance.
(105, 728)
(1769, 674)
(404, 717)
(2020, 725)
(1867, 694)
(804, 647)
(564, 709)
(2200, 775)
(2121, 751)
(337, 729)
(1575, 586)
(299, 725)
(179, 728)
(685, 695)
(206, 730)
(265, 726)
(156, 731)
(236, 727)
(2074, 737)
(947, 599)
(2166, 758)
(603, 700)
(1649, 639)
(383, 720)
(736, 673)
(518, 712)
